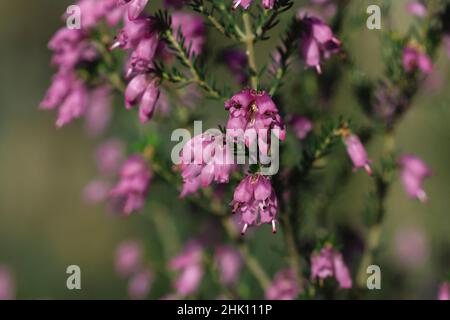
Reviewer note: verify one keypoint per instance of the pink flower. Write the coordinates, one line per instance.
(133, 32)
(193, 30)
(74, 105)
(140, 284)
(255, 202)
(109, 155)
(133, 186)
(316, 41)
(328, 262)
(417, 8)
(229, 262)
(189, 263)
(7, 285)
(413, 172)
(254, 110)
(302, 126)
(96, 191)
(99, 113)
(143, 91)
(128, 258)
(357, 153)
(411, 247)
(444, 291)
(284, 286)
(245, 4)
(135, 7)
(414, 59)
(205, 159)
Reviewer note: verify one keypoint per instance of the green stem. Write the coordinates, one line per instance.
(373, 241)
(294, 256)
(249, 42)
(197, 78)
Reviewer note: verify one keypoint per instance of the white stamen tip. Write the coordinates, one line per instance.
(274, 227)
(114, 46)
(422, 196)
(368, 169)
(244, 229)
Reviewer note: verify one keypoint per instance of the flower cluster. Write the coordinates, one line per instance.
(328, 262)
(284, 286)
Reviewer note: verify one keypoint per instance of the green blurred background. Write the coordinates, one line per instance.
(44, 225)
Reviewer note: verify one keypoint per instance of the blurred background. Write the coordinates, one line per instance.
(45, 226)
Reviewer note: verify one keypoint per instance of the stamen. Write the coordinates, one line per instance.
(422, 196)
(114, 46)
(244, 229)
(368, 169)
(274, 227)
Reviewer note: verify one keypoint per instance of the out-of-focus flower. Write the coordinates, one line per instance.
(417, 8)
(109, 155)
(134, 183)
(128, 259)
(414, 59)
(284, 286)
(236, 61)
(357, 153)
(135, 7)
(177, 4)
(99, 113)
(302, 126)
(413, 172)
(96, 191)
(229, 262)
(193, 30)
(205, 158)
(189, 264)
(411, 247)
(139, 284)
(317, 41)
(7, 285)
(255, 202)
(328, 262)
(245, 4)
(444, 291)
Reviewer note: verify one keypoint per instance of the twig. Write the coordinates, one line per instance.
(249, 42)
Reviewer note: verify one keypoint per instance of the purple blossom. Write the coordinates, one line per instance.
(205, 158)
(414, 59)
(133, 32)
(255, 202)
(96, 191)
(133, 186)
(284, 286)
(302, 126)
(74, 105)
(413, 172)
(143, 91)
(357, 153)
(128, 259)
(109, 155)
(411, 247)
(317, 41)
(254, 110)
(99, 113)
(323, 9)
(236, 61)
(444, 291)
(7, 285)
(189, 264)
(328, 262)
(229, 262)
(139, 284)
(193, 30)
(135, 7)
(417, 8)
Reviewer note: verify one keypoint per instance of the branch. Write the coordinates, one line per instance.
(249, 41)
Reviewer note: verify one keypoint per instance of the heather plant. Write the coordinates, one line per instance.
(137, 71)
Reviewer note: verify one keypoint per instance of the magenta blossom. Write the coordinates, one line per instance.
(413, 172)
(411, 247)
(229, 262)
(302, 126)
(128, 258)
(245, 4)
(135, 7)
(193, 30)
(143, 91)
(357, 153)
(444, 291)
(252, 110)
(205, 158)
(133, 186)
(328, 262)
(96, 191)
(317, 41)
(7, 285)
(99, 113)
(189, 263)
(139, 284)
(284, 286)
(133, 32)
(255, 202)
(414, 59)
(417, 8)
(236, 62)
(109, 155)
